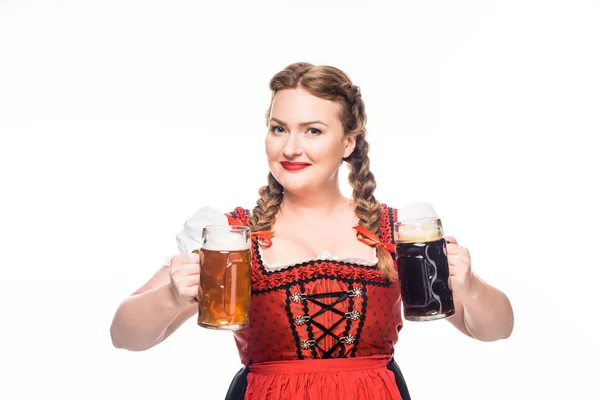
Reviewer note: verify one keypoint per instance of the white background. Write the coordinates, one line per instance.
(120, 119)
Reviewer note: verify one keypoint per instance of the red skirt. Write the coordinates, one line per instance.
(359, 378)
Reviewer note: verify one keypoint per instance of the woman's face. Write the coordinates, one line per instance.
(305, 141)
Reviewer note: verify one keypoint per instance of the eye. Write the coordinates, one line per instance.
(276, 129)
(314, 131)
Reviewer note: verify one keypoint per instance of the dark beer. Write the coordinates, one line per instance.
(224, 291)
(423, 270)
(422, 263)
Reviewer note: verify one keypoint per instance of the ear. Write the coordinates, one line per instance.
(349, 144)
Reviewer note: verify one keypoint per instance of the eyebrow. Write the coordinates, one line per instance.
(299, 124)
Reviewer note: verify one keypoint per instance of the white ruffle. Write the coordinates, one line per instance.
(324, 256)
(190, 237)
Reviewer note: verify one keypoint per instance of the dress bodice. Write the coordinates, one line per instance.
(320, 308)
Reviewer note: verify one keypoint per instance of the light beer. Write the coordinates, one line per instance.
(224, 291)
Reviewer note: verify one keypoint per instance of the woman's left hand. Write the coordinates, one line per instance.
(459, 263)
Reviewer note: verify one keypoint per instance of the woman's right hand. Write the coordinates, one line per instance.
(184, 278)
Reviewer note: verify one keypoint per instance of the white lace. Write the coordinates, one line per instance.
(325, 255)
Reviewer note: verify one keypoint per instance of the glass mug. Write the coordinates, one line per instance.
(422, 262)
(224, 291)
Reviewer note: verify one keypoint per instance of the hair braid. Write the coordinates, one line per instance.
(267, 206)
(368, 209)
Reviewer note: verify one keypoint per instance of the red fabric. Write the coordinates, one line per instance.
(263, 238)
(242, 215)
(262, 280)
(338, 378)
(370, 239)
(385, 225)
(274, 336)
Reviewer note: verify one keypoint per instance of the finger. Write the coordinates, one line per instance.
(190, 269)
(458, 267)
(186, 287)
(184, 270)
(458, 259)
(452, 249)
(454, 269)
(189, 258)
(450, 239)
(185, 258)
(188, 281)
(454, 283)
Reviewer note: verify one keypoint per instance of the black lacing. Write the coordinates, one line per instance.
(309, 320)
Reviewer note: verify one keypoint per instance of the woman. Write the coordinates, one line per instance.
(325, 311)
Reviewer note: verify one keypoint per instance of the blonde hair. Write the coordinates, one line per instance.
(329, 83)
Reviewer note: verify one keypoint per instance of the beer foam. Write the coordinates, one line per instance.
(415, 211)
(226, 240)
(418, 237)
(418, 222)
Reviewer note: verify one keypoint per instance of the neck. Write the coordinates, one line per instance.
(320, 203)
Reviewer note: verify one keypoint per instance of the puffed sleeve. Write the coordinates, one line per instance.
(190, 236)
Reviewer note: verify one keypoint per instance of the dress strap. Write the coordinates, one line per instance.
(239, 217)
(386, 224)
(241, 214)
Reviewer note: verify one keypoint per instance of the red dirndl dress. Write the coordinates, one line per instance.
(320, 330)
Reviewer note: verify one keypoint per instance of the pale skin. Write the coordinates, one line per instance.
(314, 217)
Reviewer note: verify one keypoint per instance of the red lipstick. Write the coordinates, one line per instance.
(294, 166)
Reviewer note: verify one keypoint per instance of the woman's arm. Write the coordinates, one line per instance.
(484, 313)
(149, 315)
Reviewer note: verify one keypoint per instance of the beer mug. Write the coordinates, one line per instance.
(422, 263)
(224, 291)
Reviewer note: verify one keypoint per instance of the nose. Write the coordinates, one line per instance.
(293, 146)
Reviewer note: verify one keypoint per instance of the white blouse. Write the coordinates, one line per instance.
(190, 237)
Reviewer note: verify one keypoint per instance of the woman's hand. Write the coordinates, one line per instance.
(459, 263)
(184, 278)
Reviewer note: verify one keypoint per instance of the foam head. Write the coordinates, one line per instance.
(225, 238)
(416, 211)
(418, 222)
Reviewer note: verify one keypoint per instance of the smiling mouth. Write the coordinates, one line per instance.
(294, 166)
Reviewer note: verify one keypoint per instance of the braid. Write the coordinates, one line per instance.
(368, 209)
(267, 206)
(362, 180)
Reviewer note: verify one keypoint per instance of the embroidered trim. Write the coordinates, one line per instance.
(384, 225)
(242, 215)
(288, 311)
(354, 291)
(311, 336)
(363, 316)
(264, 281)
(391, 213)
